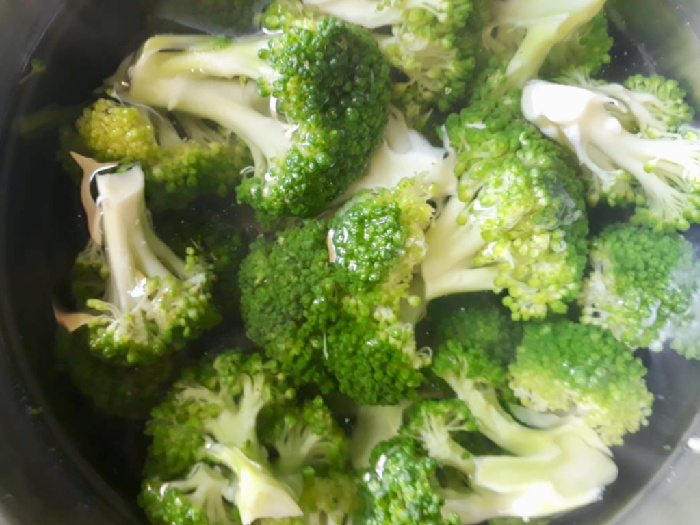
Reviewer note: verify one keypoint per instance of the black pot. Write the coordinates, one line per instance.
(59, 462)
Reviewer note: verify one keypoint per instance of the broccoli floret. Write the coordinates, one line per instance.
(220, 239)
(374, 424)
(586, 50)
(528, 30)
(323, 90)
(477, 320)
(568, 368)
(519, 220)
(405, 153)
(287, 300)
(399, 488)
(643, 286)
(206, 450)
(432, 46)
(308, 436)
(659, 175)
(154, 302)
(652, 104)
(182, 158)
(114, 390)
(375, 241)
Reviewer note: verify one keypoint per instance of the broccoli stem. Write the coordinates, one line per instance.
(257, 494)
(128, 238)
(215, 56)
(406, 153)
(229, 104)
(547, 23)
(452, 248)
(205, 487)
(375, 423)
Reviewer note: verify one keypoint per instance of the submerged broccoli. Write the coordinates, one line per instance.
(529, 30)
(154, 302)
(114, 390)
(518, 222)
(643, 286)
(563, 367)
(432, 45)
(328, 87)
(182, 158)
(207, 458)
(659, 175)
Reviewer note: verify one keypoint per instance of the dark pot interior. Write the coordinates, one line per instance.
(59, 462)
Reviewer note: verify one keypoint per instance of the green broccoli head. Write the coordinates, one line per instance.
(527, 32)
(113, 389)
(152, 301)
(643, 287)
(323, 92)
(657, 173)
(308, 436)
(206, 445)
(399, 488)
(375, 241)
(220, 240)
(564, 367)
(182, 158)
(288, 298)
(519, 222)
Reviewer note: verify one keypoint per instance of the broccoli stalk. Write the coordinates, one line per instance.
(533, 28)
(666, 169)
(374, 424)
(154, 302)
(405, 153)
(321, 104)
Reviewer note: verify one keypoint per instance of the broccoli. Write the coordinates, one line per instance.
(288, 298)
(154, 302)
(651, 104)
(659, 175)
(431, 45)
(323, 90)
(405, 153)
(182, 157)
(518, 222)
(220, 239)
(308, 436)
(335, 295)
(112, 389)
(568, 368)
(374, 424)
(400, 487)
(528, 30)
(374, 242)
(207, 457)
(643, 286)
(327, 500)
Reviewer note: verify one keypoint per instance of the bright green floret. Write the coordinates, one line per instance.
(431, 45)
(375, 241)
(568, 368)
(308, 436)
(153, 301)
(318, 112)
(182, 158)
(659, 174)
(518, 223)
(114, 390)
(220, 239)
(399, 488)
(528, 30)
(207, 450)
(643, 287)
(288, 299)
